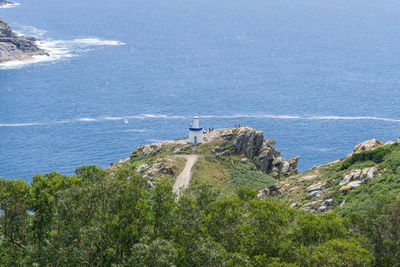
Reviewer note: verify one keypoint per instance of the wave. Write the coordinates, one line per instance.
(137, 131)
(298, 117)
(19, 124)
(350, 118)
(10, 5)
(96, 41)
(56, 49)
(162, 116)
(181, 117)
(259, 116)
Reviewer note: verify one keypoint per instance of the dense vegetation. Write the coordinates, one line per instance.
(97, 220)
(377, 155)
(113, 218)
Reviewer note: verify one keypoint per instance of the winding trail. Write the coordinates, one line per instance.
(183, 179)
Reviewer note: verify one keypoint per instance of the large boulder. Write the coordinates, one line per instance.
(353, 175)
(350, 186)
(317, 186)
(367, 145)
(312, 194)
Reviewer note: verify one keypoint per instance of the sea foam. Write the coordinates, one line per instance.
(56, 49)
(10, 5)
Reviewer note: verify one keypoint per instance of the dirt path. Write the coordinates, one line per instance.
(183, 179)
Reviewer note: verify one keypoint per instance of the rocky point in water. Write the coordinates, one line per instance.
(16, 47)
(4, 3)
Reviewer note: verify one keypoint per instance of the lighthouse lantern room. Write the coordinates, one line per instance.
(195, 131)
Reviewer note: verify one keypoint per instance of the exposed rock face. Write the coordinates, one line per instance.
(268, 192)
(15, 47)
(160, 167)
(252, 144)
(312, 206)
(349, 186)
(367, 145)
(117, 164)
(317, 186)
(356, 177)
(147, 150)
(142, 168)
(248, 142)
(314, 190)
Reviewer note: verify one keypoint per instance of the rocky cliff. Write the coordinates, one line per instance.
(16, 47)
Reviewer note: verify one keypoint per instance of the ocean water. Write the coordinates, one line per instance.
(317, 76)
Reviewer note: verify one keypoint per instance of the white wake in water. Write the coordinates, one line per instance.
(179, 117)
(10, 5)
(56, 49)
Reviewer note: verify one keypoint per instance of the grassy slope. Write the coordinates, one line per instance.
(165, 155)
(225, 173)
(228, 173)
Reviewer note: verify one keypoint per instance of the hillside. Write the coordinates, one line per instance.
(246, 206)
(240, 157)
(347, 184)
(228, 158)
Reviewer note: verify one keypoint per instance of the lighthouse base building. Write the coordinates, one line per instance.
(195, 132)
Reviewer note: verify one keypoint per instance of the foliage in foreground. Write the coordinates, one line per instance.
(97, 220)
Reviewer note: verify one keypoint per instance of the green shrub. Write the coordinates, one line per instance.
(377, 155)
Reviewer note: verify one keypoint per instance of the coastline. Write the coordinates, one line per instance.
(16, 47)
(6, 4)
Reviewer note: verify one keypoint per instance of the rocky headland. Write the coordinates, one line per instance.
(227, 158)
(16, 47)
(4, 3)
(233, 157)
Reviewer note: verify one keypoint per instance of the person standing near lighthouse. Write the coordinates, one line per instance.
(195, 131)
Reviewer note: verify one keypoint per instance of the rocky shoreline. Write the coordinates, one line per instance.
(16, 47)
(5, 3)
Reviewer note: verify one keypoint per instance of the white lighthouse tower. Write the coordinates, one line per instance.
(195, 131)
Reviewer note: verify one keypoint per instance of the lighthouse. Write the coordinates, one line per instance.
(195, 131)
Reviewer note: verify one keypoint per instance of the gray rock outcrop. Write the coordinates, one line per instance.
(349, 186)
(356, 177)
(16, 47)
(367, 145)
(252, 144)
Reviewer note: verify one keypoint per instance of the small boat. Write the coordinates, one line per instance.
(126, 121)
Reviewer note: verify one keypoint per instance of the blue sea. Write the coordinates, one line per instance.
(317, 76)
